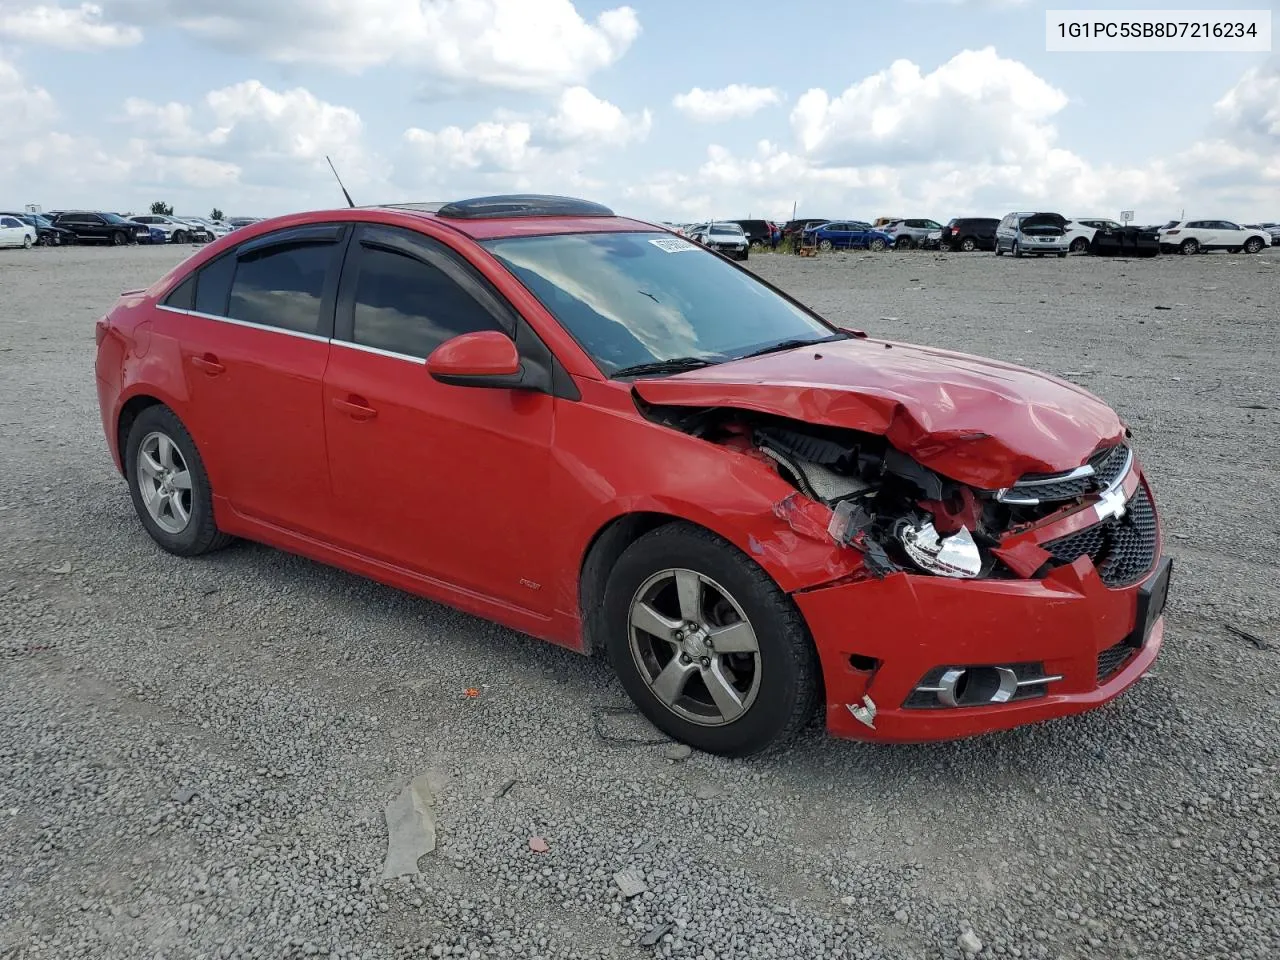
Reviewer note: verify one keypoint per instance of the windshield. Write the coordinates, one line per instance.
(633, 298)
(115, 218)
(727, 231)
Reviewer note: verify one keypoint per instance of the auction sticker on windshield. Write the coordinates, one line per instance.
(672, 244)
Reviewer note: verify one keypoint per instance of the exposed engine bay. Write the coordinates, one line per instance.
(898, 513)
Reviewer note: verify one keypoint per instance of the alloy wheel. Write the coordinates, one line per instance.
(164, 481)
(968, 245)
(694, 647)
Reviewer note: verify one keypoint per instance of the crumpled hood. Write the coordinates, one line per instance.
(977, 421)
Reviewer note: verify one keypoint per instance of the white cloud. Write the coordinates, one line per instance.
(512, 44)
(1252, 106)
(976, 106)
(582, 117)
(25, 109)
(488, 147)
(728, 103)
(72, 28)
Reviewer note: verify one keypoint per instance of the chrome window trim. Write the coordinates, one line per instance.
(245, 323)
(420, 361)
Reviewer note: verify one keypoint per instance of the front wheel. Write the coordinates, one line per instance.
(1063, 254)
(118, 239)
(1189, 247)
(180, 236)
(904, 243)
(824, 246)
(708, 647)
(169, 485)
(27, 242)
(1253, 245)
(1015, 249)
(876, 245)
(1079, 245)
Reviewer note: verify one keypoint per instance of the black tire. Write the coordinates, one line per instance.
(200, 535)
(180, 236)
(788, 663)
(1079, 245)
(903, 243)
(999, 250)
(1015, 249)
(1189, 247)
(118, 239)
(744, 256)
(1253, 245)
(1063, 254)
(27, 242)
(968, 245)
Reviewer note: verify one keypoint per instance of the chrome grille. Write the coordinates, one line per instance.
(1122, 548)
(1104, 469)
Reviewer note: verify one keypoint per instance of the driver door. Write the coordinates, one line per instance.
(448, 482)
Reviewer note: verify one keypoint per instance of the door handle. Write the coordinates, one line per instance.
(355, 407)
(209, 364)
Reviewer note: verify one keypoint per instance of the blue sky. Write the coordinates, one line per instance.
(665, 109)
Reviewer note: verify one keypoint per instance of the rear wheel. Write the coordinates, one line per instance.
(708, 647)
(169, 485)
(1189, 246)
(968, 245)
(1253, 245)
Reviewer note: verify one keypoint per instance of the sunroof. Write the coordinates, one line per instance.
(522, 205)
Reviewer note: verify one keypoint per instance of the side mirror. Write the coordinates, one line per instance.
(486, 358)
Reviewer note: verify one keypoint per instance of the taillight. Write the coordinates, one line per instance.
(100, 330)
(954, 231)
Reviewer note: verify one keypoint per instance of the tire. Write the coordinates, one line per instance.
(825, 246)
(968, 245)
(903, 243)
(1253, 245)
(1079, 245)
(27, 243)
(1015, 249)
(1189, 247)
(743, 258)
(757, 245)
(118, 239)
(1063, 254)
(159, 503)
(1233, 249)
(999, 249)
(776, 686)
(180, 236)
(876, 246)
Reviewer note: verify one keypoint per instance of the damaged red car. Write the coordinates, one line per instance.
(591, 430)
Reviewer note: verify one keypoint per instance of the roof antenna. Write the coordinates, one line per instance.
(350, 203)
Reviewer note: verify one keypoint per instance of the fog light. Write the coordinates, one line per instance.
(953, 556)
(980, 685)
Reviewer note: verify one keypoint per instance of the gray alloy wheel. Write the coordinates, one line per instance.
(694, 647)
(1015, 249)
(26, 242)
(968, 245)
(876, 245)
(1189, 246)
(164, 482)
(1079, 245)
(117, 239)
(824, 245)
(1252, 245)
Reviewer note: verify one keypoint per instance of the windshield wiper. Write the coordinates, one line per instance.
(792, 344)
(671, 365)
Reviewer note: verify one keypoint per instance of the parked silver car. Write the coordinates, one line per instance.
(1037, 233)
(908, 234)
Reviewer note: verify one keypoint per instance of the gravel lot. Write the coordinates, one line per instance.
(195, 756)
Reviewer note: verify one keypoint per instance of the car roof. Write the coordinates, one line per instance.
(520, 215)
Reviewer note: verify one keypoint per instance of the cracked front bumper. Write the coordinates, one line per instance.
(878, 638)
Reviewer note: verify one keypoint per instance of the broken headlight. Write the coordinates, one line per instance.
(954, 556)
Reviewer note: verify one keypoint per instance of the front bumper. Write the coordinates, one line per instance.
(882, 638)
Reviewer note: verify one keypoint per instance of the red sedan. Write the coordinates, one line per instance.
(593, 431)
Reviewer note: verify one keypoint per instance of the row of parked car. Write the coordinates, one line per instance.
(60, 227)
(1024, 233)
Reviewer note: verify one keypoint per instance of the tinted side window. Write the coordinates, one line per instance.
(281, 286)
(405, 305)
(213, 286)
(183, 296)
(9, 222)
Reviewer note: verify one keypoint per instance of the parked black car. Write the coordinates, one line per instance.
(92, 227)
(794, 228)
(970, 233)
(1118, 241)
(47, 235)
(757, 232)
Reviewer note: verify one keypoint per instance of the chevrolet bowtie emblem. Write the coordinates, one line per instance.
(1111, 505)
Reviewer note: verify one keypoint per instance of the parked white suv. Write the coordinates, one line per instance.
(178, 231)
(1197, 236)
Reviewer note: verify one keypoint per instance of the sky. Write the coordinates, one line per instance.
(663, 109)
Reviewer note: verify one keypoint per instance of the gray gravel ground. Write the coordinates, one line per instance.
(195, 755)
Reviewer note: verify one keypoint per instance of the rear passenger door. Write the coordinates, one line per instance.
(253, 330)
(446, 481)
